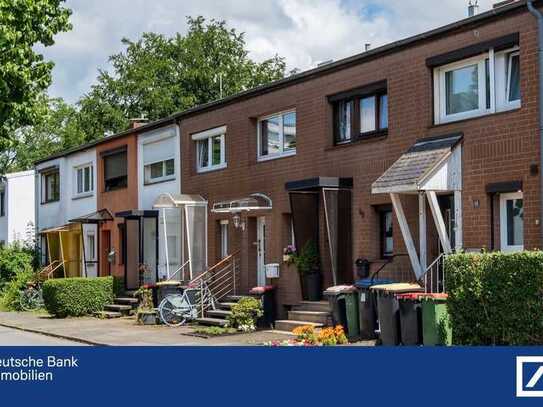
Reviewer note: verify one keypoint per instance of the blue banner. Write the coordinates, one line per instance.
(237, 376)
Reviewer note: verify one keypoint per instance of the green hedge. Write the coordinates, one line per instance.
(495, 298)
(77, 296)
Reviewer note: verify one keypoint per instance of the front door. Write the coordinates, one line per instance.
(261, 251)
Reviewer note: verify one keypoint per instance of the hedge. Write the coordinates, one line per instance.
(495, 298)
(77, 296)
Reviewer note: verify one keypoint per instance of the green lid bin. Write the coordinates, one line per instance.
(436, 327)
(343, 301)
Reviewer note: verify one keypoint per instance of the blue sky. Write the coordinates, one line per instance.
(305, 32)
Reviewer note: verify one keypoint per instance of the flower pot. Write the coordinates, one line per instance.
(312, 290)
(147, 318)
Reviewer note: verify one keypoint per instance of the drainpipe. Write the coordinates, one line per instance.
(539, 18)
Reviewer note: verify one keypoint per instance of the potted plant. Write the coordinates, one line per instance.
(289, 253)
(308, 265)
(146, 314)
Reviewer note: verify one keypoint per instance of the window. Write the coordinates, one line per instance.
(2, 203)
(115, 171)
(224, 238)
(50, 186)
(359, 116)
(512, 222)
(210, 149)
(91, 247)
(277, 135)
(84, 180)
(159, 171)
(387, 240)
(476, 86)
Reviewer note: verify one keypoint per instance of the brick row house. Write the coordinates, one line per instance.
(396, 155)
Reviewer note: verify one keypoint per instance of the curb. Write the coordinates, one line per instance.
(70, 338)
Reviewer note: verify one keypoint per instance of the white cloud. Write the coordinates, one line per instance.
(303, 31)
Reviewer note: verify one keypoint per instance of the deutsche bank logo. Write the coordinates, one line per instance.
(529, 376)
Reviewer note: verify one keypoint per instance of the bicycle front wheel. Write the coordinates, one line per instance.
(173, 310)
(31, 299)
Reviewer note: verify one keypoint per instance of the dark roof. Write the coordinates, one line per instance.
(416, 163)
(101, 215)
(312, 73)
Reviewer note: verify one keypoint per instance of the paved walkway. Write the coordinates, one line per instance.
(124, 331)
(16, 337)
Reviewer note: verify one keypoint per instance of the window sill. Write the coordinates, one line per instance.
(82, 196)
(276, 156)
(48, 202)
(509, 109)
(368, 138)
(161, 181)
(211, 169)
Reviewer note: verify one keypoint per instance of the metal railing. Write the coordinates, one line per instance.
(50, 269)
(217, 282)
(181, 271)
(388, 261)
(433, 278)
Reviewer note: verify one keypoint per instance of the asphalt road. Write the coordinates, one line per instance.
(16, 337)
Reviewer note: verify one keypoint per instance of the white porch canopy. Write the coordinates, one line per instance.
(430, 166)
(256, 201)
(184, 226)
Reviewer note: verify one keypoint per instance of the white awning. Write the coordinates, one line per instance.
(250, 203)
(166, 200)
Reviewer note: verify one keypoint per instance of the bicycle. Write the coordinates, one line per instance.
(31, 298)
(177, 309)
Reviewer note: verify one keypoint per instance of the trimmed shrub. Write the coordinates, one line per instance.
(11, 296)
(245, 314)
(495, 298)
(76, 297)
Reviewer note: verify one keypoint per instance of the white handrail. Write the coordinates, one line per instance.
(170, 277)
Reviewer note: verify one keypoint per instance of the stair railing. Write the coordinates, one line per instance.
(50, 269)
(434, 276)
(217, 282)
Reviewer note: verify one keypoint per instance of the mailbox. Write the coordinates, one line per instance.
(272, 270)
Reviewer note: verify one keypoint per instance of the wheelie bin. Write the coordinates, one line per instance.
(266, 295)
(388, 310)
(343, 301)
(436, 328)
(410, 318)
(367, 306)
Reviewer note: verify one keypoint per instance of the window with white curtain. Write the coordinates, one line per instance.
(84, 180)
(484, 84)
(277, 135)
(210, 149)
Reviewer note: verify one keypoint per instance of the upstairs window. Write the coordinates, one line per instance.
(84, 180)
(360, 113)
(277, 135)
(115, 170)
(210, 149)
(484, 84)
(50, 186)
(159, 171)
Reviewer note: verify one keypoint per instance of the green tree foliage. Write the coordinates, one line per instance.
(24, 74)
(158, 75)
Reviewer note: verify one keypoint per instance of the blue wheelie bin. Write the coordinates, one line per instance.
(367, 306)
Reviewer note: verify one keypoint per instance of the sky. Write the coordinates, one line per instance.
(305, 32)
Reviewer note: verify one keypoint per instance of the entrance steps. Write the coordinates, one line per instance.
(122, 306)
(219, 316)
(314, 313)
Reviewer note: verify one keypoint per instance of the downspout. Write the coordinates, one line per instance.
(539, 18)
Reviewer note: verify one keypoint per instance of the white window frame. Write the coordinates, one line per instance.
(498, 86)
(503, 222)
(224, 238)
(509, 61)
(147, 178)
(209, 135)
(84, 193)
(282, 152)
(91, 254)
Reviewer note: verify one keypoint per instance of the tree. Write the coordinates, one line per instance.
(157, 75)
(24, 74)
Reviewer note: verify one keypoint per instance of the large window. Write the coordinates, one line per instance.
(84, 180)
(210, 149)
(277, 135)
(512, 221)
(50, 186)
(484, 84)
(360, 116)
(115, 170)
(159, 171)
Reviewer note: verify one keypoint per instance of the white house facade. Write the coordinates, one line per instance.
(17, 202)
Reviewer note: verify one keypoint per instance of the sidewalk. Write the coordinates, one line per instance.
(124, 331)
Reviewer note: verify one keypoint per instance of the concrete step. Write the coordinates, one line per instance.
(123, 309)
(108, 314)
(218, 313)
(288, 325)
(323, 306)
(212, 321)
(226, 305)
(320, 317)
(126, 301)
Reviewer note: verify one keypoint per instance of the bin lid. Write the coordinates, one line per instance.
(261, 289)
(409, 296)
(339, 289)
(398, 287)
(368, 282)
(434, 296)
(168, 283)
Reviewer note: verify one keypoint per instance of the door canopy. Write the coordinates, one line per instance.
(252, 202)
